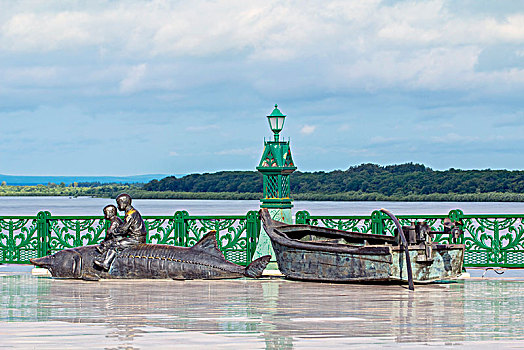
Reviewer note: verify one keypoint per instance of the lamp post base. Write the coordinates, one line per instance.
(264, 246)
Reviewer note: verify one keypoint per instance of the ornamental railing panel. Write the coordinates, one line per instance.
(494, 240)
(19, 240)
(491, 240)
(69, 232)
(232, 235)
(22, 238)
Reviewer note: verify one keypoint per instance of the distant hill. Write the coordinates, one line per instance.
(392, 180)
(17, 180)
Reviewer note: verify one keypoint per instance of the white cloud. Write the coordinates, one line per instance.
(132, 82)
(354, 44)
(308, 129)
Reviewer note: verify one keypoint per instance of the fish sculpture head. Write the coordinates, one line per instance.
(63, 264)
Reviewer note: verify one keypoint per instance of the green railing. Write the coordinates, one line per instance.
(25, 237)
(491, 240)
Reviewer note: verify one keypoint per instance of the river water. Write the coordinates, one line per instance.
(93, 206)
(269, 313)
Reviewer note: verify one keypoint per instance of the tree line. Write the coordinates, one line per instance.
(393, 180)
(365, 182)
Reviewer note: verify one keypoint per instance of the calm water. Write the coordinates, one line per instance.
(45, 313)
(93, 206)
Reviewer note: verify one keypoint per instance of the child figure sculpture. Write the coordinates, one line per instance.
(113, 236)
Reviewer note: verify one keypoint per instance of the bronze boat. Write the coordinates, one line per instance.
(312, 253)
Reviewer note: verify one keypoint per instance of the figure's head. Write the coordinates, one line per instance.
(123, 201)
(109, 211)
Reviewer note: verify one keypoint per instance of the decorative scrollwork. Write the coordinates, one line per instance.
(231, 235)
(160, 230)
(18, 239)
(75, 232)
(494, 241)
(350, 224)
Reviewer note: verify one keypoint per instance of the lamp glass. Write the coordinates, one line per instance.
(276, 123)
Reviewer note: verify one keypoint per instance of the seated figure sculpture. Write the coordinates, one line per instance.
(113, 232)
(134, 227)
(129, 234)
(124, 254)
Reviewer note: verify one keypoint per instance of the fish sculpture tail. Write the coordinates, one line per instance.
(256, 268)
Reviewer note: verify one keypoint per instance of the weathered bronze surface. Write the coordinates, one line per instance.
(202, 261)
(314, 253)
(129, 234)
(124, 254)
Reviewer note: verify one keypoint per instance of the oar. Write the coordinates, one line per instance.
(405, 243)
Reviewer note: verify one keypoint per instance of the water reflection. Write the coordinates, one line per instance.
(269, 313)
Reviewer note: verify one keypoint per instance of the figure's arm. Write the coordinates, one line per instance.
(127, 224)
(118, 232)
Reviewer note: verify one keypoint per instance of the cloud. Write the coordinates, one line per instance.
(308, 129)
(173, 154)
(132, 82)
(371, 45)
(433, 72)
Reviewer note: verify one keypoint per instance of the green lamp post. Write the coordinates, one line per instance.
(275, 165)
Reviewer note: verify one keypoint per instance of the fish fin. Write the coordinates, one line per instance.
(256, 268)
(209, 245)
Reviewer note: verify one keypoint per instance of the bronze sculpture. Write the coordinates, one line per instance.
(124, 254)
(134, 227)
(114, 234)
(129, 234)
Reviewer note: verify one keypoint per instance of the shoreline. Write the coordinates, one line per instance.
(315, 197)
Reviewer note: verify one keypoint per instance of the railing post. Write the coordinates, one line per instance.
(180, 230)
(43, 234)
(456, 215)
(252, 232)
(377, 222)
(302, 217)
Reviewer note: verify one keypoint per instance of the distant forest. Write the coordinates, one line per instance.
(392, 180)
(365, 182)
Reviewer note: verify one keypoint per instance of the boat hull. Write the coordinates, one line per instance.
(311, 253)
(302, 264)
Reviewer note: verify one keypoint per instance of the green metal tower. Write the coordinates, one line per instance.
(275, 165)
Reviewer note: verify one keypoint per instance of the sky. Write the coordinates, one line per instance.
(177, 87)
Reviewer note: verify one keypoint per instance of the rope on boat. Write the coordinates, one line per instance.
(405, 243)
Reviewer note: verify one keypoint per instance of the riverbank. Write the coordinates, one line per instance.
(112, 190)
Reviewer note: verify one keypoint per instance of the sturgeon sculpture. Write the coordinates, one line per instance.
(151, 261)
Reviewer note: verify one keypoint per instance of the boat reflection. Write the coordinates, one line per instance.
(270, 313)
